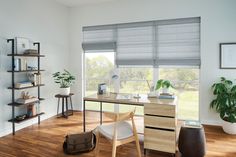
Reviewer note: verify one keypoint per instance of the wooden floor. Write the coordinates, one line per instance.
(46, 140)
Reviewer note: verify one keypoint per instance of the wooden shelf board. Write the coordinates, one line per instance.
(16, 104)
(20, 121)
(26, 55)
(24, 71)
(26, 87)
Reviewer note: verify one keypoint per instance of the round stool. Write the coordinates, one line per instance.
(192, 141)
(64, 104)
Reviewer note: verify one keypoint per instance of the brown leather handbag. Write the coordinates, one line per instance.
(79, 143)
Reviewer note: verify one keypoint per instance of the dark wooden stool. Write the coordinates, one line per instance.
(64, 104)
(192, 141)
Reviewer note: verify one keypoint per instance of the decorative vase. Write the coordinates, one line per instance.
(229, 128)
(65, 91)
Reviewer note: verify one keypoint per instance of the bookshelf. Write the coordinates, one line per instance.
(14, 89)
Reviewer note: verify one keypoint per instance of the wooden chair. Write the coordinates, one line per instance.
(118, 133)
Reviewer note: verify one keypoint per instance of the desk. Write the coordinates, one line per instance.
(159, 118)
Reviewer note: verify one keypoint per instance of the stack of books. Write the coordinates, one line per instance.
(166, 96)
(23, 84)
(20, 64)
(37, 79)
(31, 52)
(26, 101)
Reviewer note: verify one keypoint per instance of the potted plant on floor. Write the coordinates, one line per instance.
(225, 103)
(164, 85)
(65, 79)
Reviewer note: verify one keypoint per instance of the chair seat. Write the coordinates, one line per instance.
(124, 130)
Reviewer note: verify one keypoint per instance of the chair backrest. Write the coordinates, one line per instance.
(120, 116)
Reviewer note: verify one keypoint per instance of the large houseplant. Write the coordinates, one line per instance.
(164, 85)
(225, 103)
(65, 79)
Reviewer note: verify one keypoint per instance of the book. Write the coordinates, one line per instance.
(192, 123)
(16, 64)
(25, 101)
(166, 96)
(23, 84)
(31, 52)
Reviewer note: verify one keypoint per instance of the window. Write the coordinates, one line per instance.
(141, 50)
(186, 83)
(97, 69)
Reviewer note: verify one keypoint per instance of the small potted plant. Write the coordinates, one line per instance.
(164, 85)
(225, 103)
(65, 79)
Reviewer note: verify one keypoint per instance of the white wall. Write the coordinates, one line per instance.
(40, 20)
(218, 23)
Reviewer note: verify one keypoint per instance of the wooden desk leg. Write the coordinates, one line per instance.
(66, 107)
(100, 113)
(84, 122)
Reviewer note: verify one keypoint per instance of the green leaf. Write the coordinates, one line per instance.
(225, 99)
(65, 79)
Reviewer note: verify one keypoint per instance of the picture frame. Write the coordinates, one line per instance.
(22, 44)
(227, 55)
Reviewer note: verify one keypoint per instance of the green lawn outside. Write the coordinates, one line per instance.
(188, 105)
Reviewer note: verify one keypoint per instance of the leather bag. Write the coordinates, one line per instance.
(79, 143)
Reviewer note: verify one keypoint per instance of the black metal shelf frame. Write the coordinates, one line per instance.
(13, 104)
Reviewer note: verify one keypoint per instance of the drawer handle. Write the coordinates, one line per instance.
(159, 116)
(155, 128)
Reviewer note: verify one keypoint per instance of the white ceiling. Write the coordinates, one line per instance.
(74, 3)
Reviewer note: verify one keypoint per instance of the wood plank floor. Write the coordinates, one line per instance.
(46, 140)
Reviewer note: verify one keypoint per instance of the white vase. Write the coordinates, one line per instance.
(229, 128)
(65, 91)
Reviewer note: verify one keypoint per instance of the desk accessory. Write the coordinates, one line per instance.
(102, 88)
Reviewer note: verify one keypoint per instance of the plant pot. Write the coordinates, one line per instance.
(165, 90)
(229, 128)
(65, 91)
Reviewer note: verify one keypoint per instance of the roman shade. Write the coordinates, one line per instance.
(178, 42)
(135, 44)
(154, 43)
(98, 39)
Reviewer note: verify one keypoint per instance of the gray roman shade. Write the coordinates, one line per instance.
(98, 39)
(157, 43)
(178, 42)
(135, 44)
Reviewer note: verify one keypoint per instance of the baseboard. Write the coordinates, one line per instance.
(211, 122)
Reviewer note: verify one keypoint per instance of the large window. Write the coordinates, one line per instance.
(141, 46)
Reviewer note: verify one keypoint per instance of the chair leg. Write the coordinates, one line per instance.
(114, 149)
(97, 144)
(137, 146)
